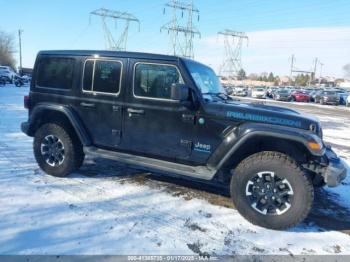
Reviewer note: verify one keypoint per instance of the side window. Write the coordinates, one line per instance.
(88, 72)
(155, 80)
(102, 76)
(107, 76)
(55, 72)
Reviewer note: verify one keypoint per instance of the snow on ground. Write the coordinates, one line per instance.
(102, 209)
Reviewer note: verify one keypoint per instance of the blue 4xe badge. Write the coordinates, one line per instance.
(202, 148)
(263, 118)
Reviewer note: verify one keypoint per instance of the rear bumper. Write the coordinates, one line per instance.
(335, 172)
(25, 127)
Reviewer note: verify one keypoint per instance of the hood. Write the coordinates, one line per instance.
(274, 115)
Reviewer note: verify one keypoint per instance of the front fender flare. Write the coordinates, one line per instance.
(234, 139)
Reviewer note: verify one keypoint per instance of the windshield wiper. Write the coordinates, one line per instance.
(222, 96)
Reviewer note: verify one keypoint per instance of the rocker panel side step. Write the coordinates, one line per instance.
(201, 172)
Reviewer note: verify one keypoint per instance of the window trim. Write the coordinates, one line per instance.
(55, 88)
(153, 98)
(93, 77)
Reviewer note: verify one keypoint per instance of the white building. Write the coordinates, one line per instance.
(345, 85)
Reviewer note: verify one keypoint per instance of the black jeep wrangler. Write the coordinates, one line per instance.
(170, 114)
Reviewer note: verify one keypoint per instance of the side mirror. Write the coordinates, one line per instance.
(179, 92)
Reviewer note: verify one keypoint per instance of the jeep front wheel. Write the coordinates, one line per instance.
(269, 189)
(56, 150)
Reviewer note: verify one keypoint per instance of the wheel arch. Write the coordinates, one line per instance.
(251, 138)
(259, 143)
(49, 113)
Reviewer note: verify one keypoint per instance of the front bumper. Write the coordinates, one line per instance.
(335, 172)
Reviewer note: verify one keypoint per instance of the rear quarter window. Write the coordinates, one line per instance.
(55, 72)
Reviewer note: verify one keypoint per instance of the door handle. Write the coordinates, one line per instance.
(87, 104)
(132, 111)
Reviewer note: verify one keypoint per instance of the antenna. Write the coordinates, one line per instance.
(110, 42)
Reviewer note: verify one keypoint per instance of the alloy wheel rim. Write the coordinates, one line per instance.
(269, 194)
(52, 150)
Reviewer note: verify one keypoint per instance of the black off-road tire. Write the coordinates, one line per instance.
(73, 150)
(285, 168)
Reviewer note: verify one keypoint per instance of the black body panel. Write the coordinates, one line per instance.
(195, 135)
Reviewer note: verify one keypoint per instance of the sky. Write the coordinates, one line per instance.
(276, 30)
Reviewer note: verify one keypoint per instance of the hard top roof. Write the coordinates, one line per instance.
(104, 53)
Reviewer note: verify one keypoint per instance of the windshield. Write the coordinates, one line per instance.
(205, 78)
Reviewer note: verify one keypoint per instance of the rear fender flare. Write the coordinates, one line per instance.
(69, 113)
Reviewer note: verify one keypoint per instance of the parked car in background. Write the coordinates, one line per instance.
(348, 101)
(343, 95)
(258, 92)
(8, 73)
(240, 91)
(300, 96)
(329, 98)
(18, 81)
(26, 78)
(282, 95)
(2, 81)
(271, 91)
(314, 94)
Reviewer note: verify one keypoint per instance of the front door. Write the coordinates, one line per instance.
(100, 104)
(153, 123)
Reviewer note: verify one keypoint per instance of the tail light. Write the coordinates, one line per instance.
(26, 102)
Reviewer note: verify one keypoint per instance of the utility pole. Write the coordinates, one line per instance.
(315, 67)
(127, 18)
(321, 64)
(181, 35)
(20, 50)
(233, 41)
(291, 69)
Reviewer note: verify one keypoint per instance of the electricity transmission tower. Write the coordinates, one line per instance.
(312, 72)
(233, 41)
(110, 42)
(182, 35)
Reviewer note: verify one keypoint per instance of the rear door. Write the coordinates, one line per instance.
(100, 103)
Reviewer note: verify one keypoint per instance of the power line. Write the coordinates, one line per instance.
(110, 42)
(181, 34)
(233, 41)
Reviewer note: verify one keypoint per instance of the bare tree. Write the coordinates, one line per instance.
(7, 50)
(346, 69)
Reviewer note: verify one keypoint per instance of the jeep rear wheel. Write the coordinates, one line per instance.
(56, 150)
(269, 189)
